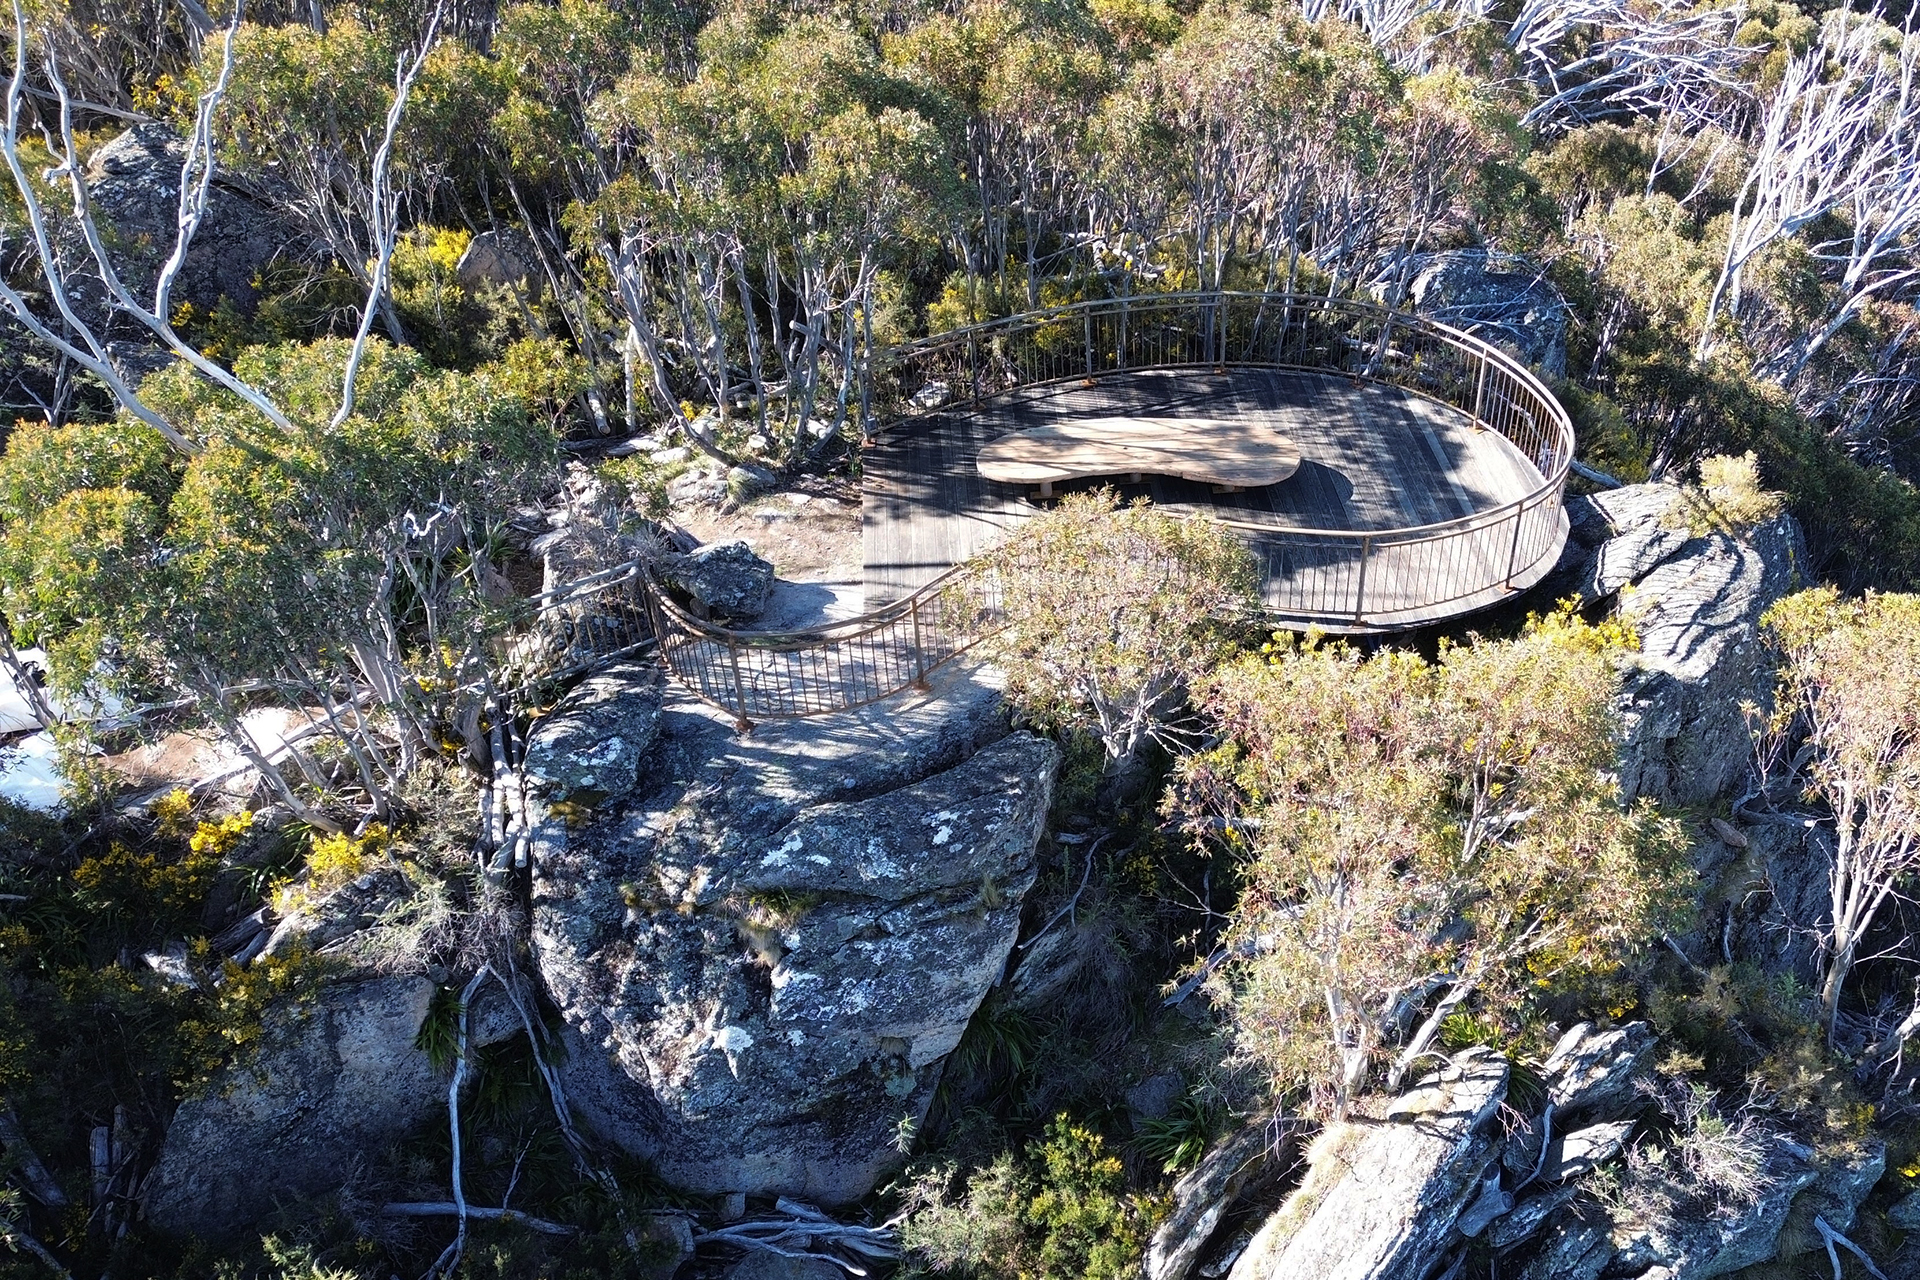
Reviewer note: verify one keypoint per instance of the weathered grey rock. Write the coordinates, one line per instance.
(134, 185)
(1707, 1245)
(724, 578)
(1577, 1245)
(1526, 1217)
(322, 923)
(337, 1080)
(1583, 1150)
(765, 953)
(1685, 740)
(1781, 926)
(1621, 535)
(1843, 1181)
(1591, 1070)
(1381, 1198)
(498, 259)
(1153, 1097)
(594, 740)
(1905, 1214)
(1201, 1199)
(761, 1265)
(1493, 1201)
(1503, 299)
(666, 1243)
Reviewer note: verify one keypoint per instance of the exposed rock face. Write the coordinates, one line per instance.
(1200, 1199)
(1381, 1199)
(1497, 297)
(337, 1081)
(725, 579)
(1589, 1069)
(1709, 1245)
(593, 742)
(1695, 600)
(765, 953)
(134, 181)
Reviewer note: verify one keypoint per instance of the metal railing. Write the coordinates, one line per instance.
(1336, 579)
(1340, 580)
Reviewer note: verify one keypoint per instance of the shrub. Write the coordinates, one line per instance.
(1061, 1211)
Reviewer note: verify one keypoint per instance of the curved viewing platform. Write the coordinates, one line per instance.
(1431, 465)
(1416, 475)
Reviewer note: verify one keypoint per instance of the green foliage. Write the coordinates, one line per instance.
(1110, 610)
(1397, 817)
(1058, 1212)
(1177, 1140)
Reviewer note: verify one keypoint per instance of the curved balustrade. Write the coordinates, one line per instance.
(1340, 580)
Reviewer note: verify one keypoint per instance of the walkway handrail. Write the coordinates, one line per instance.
(1470, 561)
(1280, 333)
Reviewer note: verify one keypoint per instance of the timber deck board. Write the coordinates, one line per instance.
(1373, 459)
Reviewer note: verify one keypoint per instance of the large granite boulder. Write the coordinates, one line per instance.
(1694, 593)
(339, 1079)
(1381, 1197)
(134, 185)
(766, 951)
(1503, 299)
(725, 579)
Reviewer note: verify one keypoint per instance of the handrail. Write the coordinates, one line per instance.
(1467, 562)
(917, 354)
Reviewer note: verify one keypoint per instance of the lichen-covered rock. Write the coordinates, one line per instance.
(594, 740)
(1381, 1197)
(504, 259)
(1501, 298)
(337, 1081)
(1577, 1245)
(134, 183)
(1694, 594)
(1707, 1245)
(1591, 1070)
(1585, 1149)
(1845, 1179)
(766, 952)
(725, 579)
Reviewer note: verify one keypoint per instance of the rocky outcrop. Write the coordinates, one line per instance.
(339, 1079)
(766, 951)
(589, 747)
(134, 185)
(1500, 298)
(504, 259)
(1381, 1198)
(1201, 1199)
(725, 580)
(1694, 594)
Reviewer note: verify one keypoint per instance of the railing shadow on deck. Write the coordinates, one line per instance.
(1338, 580)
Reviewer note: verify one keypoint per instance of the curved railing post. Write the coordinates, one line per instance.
(1360, 586)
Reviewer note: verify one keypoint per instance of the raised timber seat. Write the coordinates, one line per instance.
(1225, 453)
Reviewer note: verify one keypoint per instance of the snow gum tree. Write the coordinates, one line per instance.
(1850, 695)
(1110, 612)
(1417, 835)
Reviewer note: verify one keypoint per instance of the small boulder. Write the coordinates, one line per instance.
(337, 1079)
(498, 259)
(1503, 299)
(724, 579)
(1584, 1150)
(1201, 1199)
(133, 182)
(1905, 1214)
(1525, 1218)
(1381, 1198)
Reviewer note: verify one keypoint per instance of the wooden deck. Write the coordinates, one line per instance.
(1374, 459)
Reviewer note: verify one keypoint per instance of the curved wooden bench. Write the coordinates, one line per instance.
(1225, 453)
